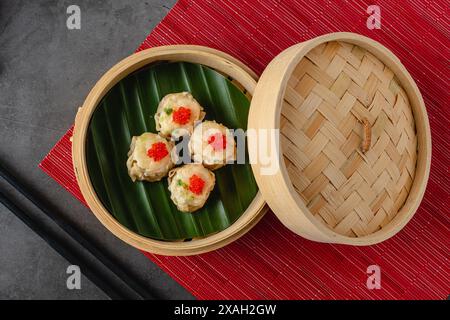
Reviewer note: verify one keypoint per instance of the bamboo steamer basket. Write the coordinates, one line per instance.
(354, 143)
(240, 75)
(332, 184)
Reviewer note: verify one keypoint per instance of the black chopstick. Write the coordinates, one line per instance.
(81, 238)
(63, 248)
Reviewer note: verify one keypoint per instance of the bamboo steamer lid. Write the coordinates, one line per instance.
(352, 140)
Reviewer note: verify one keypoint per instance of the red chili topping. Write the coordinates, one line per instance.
(196, 184)
(158, 151)
(182, 115)
(217, 141)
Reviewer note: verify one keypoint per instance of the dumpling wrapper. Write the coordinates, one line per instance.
(184, 199)
(164, 115)
(141, 166)
(207, 153)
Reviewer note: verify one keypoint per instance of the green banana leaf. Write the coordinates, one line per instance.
(127, 110)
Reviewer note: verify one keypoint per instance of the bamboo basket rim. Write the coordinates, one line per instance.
(212, 58)
(268, 99)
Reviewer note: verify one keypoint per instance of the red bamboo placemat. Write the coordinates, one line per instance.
(271, 262)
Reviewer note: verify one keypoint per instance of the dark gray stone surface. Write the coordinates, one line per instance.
(46, 71)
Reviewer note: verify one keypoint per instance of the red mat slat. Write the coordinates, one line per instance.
(270, 262)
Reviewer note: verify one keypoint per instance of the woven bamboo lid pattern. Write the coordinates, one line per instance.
(353, 149)
(333, 88)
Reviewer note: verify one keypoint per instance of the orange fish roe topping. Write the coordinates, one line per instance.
(196, 184)
(217, 141)
(158, 151)
(182, 115)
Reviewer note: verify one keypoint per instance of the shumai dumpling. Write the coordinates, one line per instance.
(149, 157)
(190, 186)
(177, 113)
(212, 144)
